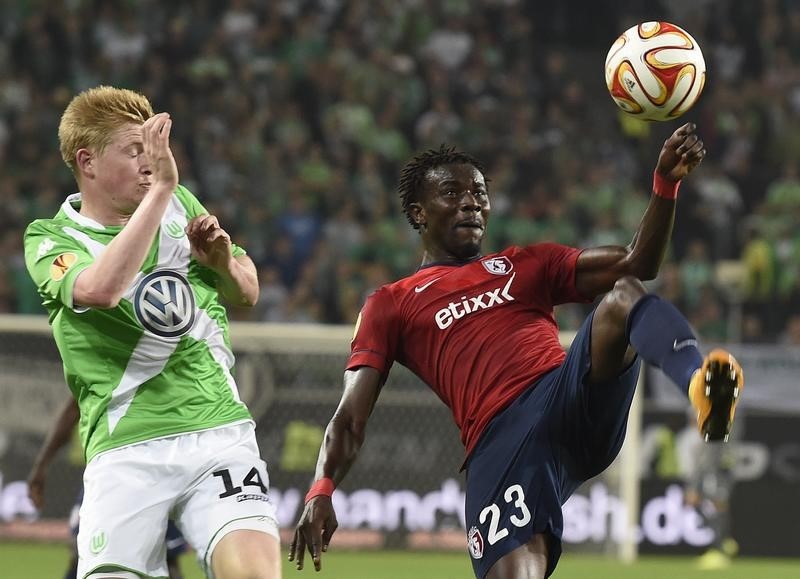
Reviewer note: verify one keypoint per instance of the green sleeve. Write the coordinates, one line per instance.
(194, 208)
(54, 260)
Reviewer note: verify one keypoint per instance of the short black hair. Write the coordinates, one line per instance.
(414, 172)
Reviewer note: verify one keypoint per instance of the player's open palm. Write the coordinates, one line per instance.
(155, 140)
(211, 245)
(681, 153)
(314, 531)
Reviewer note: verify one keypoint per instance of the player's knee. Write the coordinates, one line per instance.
(250, 570)
(529, 561)
(247, 554)
(626, 292)
(630, 287)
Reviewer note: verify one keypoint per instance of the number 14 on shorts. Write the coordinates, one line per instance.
(252, 478)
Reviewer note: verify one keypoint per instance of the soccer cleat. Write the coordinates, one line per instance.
(713, 560)
(714, 391)
(730, 547)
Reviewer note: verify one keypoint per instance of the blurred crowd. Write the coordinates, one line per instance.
(292, 119)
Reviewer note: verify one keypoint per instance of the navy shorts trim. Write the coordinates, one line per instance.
(537, 451)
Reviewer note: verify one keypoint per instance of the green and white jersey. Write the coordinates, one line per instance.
(159, 363)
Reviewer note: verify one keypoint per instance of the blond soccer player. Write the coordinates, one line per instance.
(131, 269)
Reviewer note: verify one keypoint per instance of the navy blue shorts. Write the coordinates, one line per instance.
(538, 450)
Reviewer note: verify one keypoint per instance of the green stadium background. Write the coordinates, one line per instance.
(292, 119)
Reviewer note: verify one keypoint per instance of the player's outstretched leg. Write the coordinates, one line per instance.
(714, 391)
(661, 335)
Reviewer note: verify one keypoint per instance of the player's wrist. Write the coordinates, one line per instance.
(226, 266)
(665, 187)
(322, 487)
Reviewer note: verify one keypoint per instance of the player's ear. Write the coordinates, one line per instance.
(84, 161)
(417, 214)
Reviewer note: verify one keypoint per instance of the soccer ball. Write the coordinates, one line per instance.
(655, 71)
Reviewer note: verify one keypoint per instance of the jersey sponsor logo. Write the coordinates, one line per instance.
(423, 287)
(498, 265)
(469, 305)
(475, 542)
(44, 247)
(251, 497)
(164, 303)
(61, 265)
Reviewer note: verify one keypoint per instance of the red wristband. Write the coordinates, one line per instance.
(323, 486)
(664, 187)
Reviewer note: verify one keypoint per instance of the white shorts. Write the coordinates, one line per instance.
(210, 482)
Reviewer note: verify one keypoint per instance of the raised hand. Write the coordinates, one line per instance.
(155, 140)
(681, 153)
(211, 245)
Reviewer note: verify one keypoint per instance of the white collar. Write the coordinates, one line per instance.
(70, 211)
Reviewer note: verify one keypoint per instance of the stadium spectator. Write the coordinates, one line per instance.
(697, 272)
(719, 204)
(272, 296)
(345, 81)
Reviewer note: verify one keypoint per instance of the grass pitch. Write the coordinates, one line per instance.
(46, 561)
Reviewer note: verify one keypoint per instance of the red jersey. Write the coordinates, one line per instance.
(477, 334)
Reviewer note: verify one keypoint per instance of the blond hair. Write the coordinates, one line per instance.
(92, 117)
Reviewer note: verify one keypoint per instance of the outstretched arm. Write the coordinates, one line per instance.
(600, 267)
(58, 436)
(343, 439)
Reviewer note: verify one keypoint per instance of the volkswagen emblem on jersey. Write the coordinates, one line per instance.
(475, 543)
(498, 265)
(164, 303)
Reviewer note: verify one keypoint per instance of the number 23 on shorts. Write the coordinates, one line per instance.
(519, 518)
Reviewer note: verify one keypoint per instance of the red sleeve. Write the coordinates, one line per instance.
(561, 266)
(377, 329)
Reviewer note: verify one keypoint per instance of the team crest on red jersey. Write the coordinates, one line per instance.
(475, 543)
(498, 265)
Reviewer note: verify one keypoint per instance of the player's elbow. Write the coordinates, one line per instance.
(642, 269)
(242, 295)
(646, 274)
(242, 300)
(249, 299)
(97, 300)
(87, 294)
(648, 271)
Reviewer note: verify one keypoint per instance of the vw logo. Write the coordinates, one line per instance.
(164, 303)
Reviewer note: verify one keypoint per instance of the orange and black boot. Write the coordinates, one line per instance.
(714, 391)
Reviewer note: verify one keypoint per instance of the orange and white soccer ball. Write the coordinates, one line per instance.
(655, 71)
